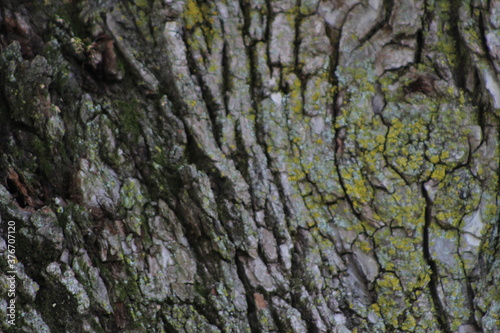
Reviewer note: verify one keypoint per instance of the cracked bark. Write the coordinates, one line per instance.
(439, 310)
(250, 166)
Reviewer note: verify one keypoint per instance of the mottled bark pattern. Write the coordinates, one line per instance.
(251, 166)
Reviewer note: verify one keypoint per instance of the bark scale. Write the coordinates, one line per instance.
(250, 166)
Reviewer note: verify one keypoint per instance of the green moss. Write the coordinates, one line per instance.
(129, 114)
(131, 195)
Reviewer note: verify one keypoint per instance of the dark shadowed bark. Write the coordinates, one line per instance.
(249, 166)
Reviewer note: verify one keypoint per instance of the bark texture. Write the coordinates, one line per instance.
(251, 166)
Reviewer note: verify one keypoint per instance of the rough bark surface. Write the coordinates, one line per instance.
(250, 166)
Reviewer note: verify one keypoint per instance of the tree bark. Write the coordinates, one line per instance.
(249, 166)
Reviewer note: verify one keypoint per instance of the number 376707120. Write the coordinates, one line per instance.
(11, 244)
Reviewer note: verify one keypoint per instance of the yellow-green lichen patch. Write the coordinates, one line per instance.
(390, 295)
(192, 14)
(344, 217)
(414, 315)
(318, 212)
(405, 143)
(427, 136)
(131, 194)
(357, 188)
(403, 207)
(200, 19)
(186, 318)
(456, 301)
(460, 195)
(445, 39)
(317, 96)
(402, 256)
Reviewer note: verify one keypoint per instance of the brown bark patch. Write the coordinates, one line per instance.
(260, 302)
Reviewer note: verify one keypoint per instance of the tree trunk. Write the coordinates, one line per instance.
(249, 166)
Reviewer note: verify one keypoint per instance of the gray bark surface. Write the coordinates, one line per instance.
(250, 166)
